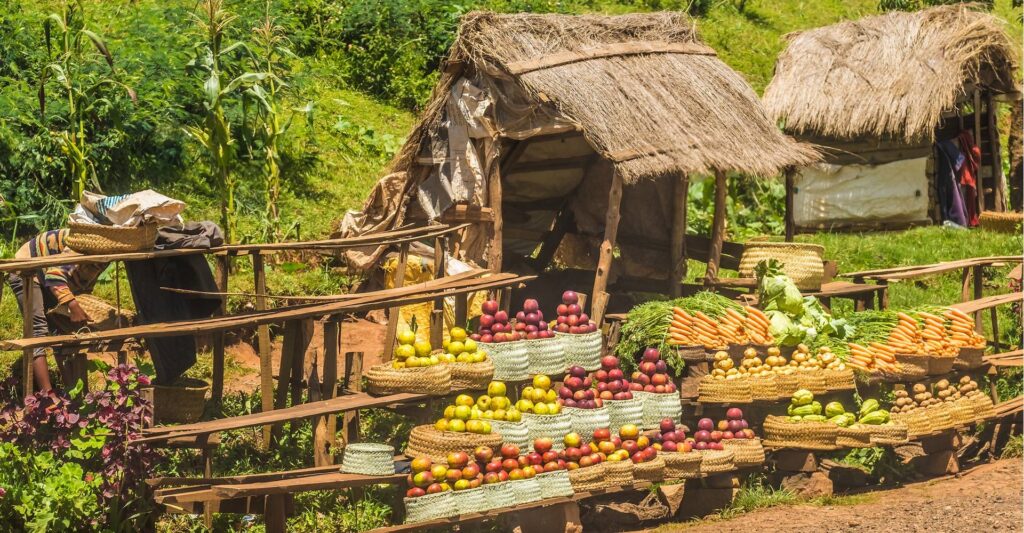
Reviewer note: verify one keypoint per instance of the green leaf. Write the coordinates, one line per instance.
(100, 45)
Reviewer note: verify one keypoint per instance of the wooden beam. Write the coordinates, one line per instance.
(28, 281)
(467, 213)
(494, 248)
(217, 388)
(979, 280)
(977, 142)
(263, 342)
(995, 154)
(332, 332)
(790, 191)
(677, 257)
(393, 312)
(548, 164)
(604, 262)
(563, 223)
(717, 228)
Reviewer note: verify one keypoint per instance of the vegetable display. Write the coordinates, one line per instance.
(922, 395)
(647, 325)
(732, 327)
(880, 335)
(794, 319)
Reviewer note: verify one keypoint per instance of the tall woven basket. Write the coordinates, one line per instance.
(585, 421)
(969, 358)
(855, 436)
(369, 459)
(526, 490)
(587, 478)
(555, 484)
(516, 433)
(472, 501)
(430, 507)
(839, 379)
(93, 239)
(764, 388)
(939, 365)
(427, 441)
(780, 432)
(653, 470)
(717, 461)
(682, 465)
(889, 434)
(435, 380)
(499, 495)
(622, 412)
(180, 403)
(1005, 222)
(712, 390)
(801, 262)
(618, 473)
(511, 362)
(583, 349)
(911, 366)
(659, 406)
(553, 427)
(812, 380)
(546, 356)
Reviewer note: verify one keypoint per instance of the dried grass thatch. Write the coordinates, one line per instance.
(649, 113)
(889, 75)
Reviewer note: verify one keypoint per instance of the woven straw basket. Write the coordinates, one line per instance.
(680, 465)
(969, 358)
(555, 484)
(618, 473)
(812, 380)
(622, 412)
(427, 441)
(430, 507)
(692, 354)
(511, 363)
(889, 434)
(585, 421)
(786, 384)
(911, 366)
(102, 316)
(472, 501)
(747, 452)
(435, 380)
(546, 356)
(982, 405)
(92, 239)
(471, 376)
(653, 470)
(839, 379)
(855, 436)
(582, 349)
(588, 477)
(961, 412)
(526, 490)
(369, 459)
(801, 262)
(764, 388)
(516, 433)
(1006, 222)
(939, 365)
(939, 416)
(553, 427)
(499, 495)
(781, 433)
(917, 422)
(659, 406)
(711, 390)
(180, 403)
(717, 461)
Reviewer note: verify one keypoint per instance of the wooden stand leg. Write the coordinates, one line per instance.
(275, 517)
(978, 286)
(604, 262)
(677, 266)
(28, 281)
(717, 229)
(263, 344)
(461, 309)
(327, 425)
(790, 191)
(217, 388)
(353, 383)
(392, 331)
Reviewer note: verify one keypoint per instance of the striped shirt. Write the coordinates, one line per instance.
(63, 281)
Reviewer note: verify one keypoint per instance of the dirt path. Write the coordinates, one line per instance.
(987, 498)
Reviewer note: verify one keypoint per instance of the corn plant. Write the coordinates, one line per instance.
(73, 52)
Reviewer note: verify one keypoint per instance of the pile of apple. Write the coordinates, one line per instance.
(709, 436)
(540, 399)
(469, 415)
(578, 454)
(459, 349)
(459, 474)
(530, 321)
(576, 390)
(510, 465)
(672, 438)
(412, 352)
(652, 375)
(571, 318)
(628, 445)
(611, 382)
(495, 326)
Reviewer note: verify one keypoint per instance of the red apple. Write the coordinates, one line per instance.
(509, 451)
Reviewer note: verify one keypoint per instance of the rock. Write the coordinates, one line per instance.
(813, 485)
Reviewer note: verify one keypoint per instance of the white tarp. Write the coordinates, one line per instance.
(836, 195)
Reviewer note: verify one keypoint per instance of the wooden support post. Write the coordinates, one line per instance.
(299, 359)
(327, 425)
(677, 266)
(979, 280)
(437, 314)
(599, 294)
(461, 309)
(977, 142)
(994, 318)
(965, 284)
(217, 388)
(883, 294)
(259, 274)
(393, 312)
(549, 246)
(354, 383)
(790, 190)
(717, 228)
(494, 252)
(28, 281)
(995, 155)
(274, 516)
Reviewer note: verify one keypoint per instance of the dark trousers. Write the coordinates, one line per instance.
(41, 326)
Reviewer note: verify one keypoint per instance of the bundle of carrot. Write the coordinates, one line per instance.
(961, 330)
(699, 329)
(758, 326)
(878, 337)
(935, 333)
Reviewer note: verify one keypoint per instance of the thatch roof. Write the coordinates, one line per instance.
(889, 75)
(665, 105)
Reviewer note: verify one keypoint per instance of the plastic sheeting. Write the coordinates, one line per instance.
(849, 195)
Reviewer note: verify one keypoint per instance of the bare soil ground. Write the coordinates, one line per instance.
(986, 498)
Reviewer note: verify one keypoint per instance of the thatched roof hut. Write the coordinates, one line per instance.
(538, 121)
(889, 83)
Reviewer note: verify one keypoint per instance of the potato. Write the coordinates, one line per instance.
(920, 387)
(943, 384)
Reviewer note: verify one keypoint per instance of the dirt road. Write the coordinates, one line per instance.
(987, 498)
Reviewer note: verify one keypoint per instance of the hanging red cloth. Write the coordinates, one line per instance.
(968, 175)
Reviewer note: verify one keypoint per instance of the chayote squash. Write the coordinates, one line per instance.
(795, 418)
(868, 406)
(815, 418)
(833, 409)
(806, 410)
(802, 397)
(875, 418)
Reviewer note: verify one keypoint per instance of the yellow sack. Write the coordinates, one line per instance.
(421, 270)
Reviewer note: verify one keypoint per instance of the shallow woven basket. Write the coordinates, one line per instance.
(618, 473)
(516, 433)
(427, 441)
(983, 406)
(839, 379)
(911, 366)
(546, 356)
(472, 501)
(526, 490)
(800, 261)
(855, 436)
(961, 413)
(554, 427)
(588, 477)
(583, 349)
(430, 507)
(787, 384)
(692, 354)
(94, 239)
(812, 380)
(471, 376)
(969, 358)
(747, 452)
(717, 461)
(622, 412)
(780, 432)
(939, 416)
(659, 406)
(369, 459)
(102, 316)
(180, 403)
(939, 365)
(713, 390)
(435, 380)
(889, 434)
(511, 363)
(653, 470)
(1006, 222)
(555, 484)
(917, 422)
(499, 495)
(764, 388)
(681, 465)
(585, 421)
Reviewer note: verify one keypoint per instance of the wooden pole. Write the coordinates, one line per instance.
(494, 257)
(217, 388)
(392, 331)
(326, 428)
(790, 191)
(263, 341)
(604, 263)
(978, 286)
(717, 229)
(995, 155)
(677, 266)
(28, 281)
(977, 142)
(437, 314)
